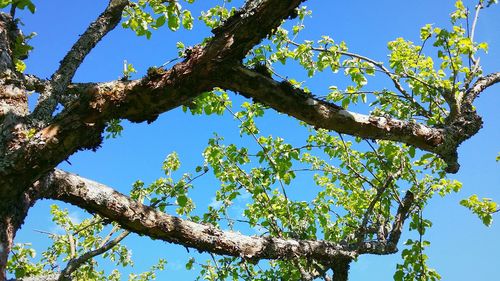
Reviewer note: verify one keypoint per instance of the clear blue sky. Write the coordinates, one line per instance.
(462, 248)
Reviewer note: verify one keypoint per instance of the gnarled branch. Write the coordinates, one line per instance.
(285, 98)
(134, 216)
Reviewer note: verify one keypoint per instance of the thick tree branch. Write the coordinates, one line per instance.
(285, 98)
(141, 219)
(106, 22)
(81, 123)
(13, 99)
(256, 20)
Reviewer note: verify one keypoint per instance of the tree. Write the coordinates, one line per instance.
(376, 171)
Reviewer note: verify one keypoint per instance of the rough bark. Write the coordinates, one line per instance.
(82, 122)
(295, 102)
(12, 215)
(106, 22)
(50, 277)
(136, 217)
(341, 270)
(141, 219)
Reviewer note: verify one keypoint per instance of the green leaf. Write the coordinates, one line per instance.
(160, 21)
(20, 65)
(189, 264)
(187, 19)
(182, 201)
(173, 21)
(483, 208)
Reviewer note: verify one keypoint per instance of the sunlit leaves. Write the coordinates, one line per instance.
(150, 274)
(146, 15)
(415, 263)
(21, 264)
(213, 102)
(483, 208)
(246, 117)
(19, 4)
(21, 50)
(166, 191)
(460, 12)
(355, 186)
(216, 15)
(71, 239)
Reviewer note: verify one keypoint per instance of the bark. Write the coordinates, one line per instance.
(285, 98)
(136, 217)
(50, 277)
(76, 262)
(12, 215)
(106, 22)
(341, 270)
(141, 219)
(480, 85)
(82, 122)
(13, 99)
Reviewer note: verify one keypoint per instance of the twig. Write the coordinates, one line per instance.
(75, 263)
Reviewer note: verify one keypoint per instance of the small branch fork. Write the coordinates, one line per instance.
(60, 80)
(105, 246)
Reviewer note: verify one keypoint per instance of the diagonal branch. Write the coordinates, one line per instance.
(141, 219)
(106, 22)
(285, 98)
(390, 246)
(82, 122)
(480, 85)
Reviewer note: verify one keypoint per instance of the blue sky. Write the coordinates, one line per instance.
(462, 248)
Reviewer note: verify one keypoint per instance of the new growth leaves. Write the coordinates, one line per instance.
(146, 15)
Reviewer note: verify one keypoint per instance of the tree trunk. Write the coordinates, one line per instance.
(12, 214)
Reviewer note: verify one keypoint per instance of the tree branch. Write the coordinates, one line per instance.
(75, 263)
(48, 277)
(480, 85)
(82, 122)
(141, 219)
(393, 77)
(285, 98)
(106, 22)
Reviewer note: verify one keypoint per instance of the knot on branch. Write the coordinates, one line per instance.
(459, 129)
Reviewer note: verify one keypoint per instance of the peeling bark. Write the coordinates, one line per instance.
(106, 22)
(50, 277)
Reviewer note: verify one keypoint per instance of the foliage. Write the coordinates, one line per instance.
(70, 240)
(483, 208)
(143, 15)
(19, 4)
